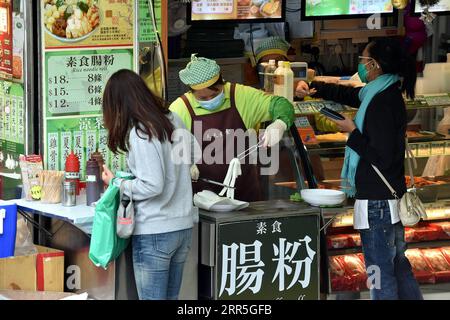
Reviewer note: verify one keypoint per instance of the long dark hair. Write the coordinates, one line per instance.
(393, 58)
(128, 103)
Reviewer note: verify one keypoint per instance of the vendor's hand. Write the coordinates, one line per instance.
(274, 133)
(195, 173)
(346, 125)
(107, 175)
(302, 90)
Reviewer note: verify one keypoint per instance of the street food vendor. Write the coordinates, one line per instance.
(273, 48)
(215, 104)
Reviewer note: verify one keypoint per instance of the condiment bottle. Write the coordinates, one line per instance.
(268, 76)
(278, 80)
(69, 197)
(97, 156)
(72, 171)
(284, 81)
(92, 177)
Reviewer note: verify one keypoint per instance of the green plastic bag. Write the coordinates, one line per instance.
(105, 245)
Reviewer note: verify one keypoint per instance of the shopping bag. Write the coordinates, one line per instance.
(106, 246)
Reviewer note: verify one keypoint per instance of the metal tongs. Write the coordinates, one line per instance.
(216, 183)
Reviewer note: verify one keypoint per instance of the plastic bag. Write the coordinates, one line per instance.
(106, 246)
(24, 239)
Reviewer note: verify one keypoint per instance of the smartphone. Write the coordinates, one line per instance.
(327, 112)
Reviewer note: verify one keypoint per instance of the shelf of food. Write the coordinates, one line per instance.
(428, 101)
(424, 144)
(430, 266)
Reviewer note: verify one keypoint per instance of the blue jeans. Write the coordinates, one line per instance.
(384, 247)
(158, 261)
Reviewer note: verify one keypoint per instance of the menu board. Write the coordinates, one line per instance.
(85, 43)
(12, 117)
(442, 6)
(83, 135)
(87, 23)
(6, 40)
(77, 85)
(205, 10)
(146, 31)
(317, 8)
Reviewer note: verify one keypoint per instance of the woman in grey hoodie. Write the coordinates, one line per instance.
(140, 125)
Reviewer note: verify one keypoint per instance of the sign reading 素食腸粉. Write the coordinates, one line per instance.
(76, 79)
(269, 259)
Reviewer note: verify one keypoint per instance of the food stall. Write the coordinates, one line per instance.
(280, 248)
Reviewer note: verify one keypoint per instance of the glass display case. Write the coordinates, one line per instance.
(429, 138)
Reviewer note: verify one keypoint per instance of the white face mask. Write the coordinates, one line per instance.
(213, 103)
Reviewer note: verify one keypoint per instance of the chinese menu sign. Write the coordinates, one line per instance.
(6, 40)
(269, 259)
(236, 9)
(94, 23)
(12, 117)
(146, 32)
(76, 85)
(84, 43)
(84, 135)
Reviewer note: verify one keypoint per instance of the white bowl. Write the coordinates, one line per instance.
(323, 197)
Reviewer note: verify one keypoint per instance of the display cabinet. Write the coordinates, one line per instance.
(429, 242)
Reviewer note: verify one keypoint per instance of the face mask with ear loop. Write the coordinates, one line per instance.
(363, 72)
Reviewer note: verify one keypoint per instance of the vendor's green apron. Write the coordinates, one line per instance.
(247, 185)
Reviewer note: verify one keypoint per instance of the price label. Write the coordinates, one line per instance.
(76, 80)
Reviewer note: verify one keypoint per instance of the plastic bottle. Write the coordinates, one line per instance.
(269, 76)
(97, 156)
(92, 177)
(284, 81)
(72, 171)
(278, 79)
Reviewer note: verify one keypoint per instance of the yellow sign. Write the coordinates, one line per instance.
(87, 23)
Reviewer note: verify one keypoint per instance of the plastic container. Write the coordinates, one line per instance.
(421, 268)
(444, 229)
(339, 279)
(354, 240)
(92, 177)
(269, 77)
(284, 81)
(8, 230)
(338, 241)
(438, 263)
(355, 269)
(424, 232)
(69, 194)
(72, 169)
(97, 156)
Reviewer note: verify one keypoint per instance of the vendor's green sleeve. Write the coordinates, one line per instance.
(256, 106)
(281, 108)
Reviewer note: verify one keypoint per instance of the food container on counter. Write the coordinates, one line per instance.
(69, 194)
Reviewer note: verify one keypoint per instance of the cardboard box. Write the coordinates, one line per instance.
(43, 271)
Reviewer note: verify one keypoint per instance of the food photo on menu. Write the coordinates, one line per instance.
(236, 10)
(71, 19)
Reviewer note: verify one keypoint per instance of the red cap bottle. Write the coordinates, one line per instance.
(72, 170)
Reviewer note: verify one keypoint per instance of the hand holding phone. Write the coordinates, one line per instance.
(327, 112)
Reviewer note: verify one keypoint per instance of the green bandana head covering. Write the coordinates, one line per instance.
(200, 73)
(272, 45)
